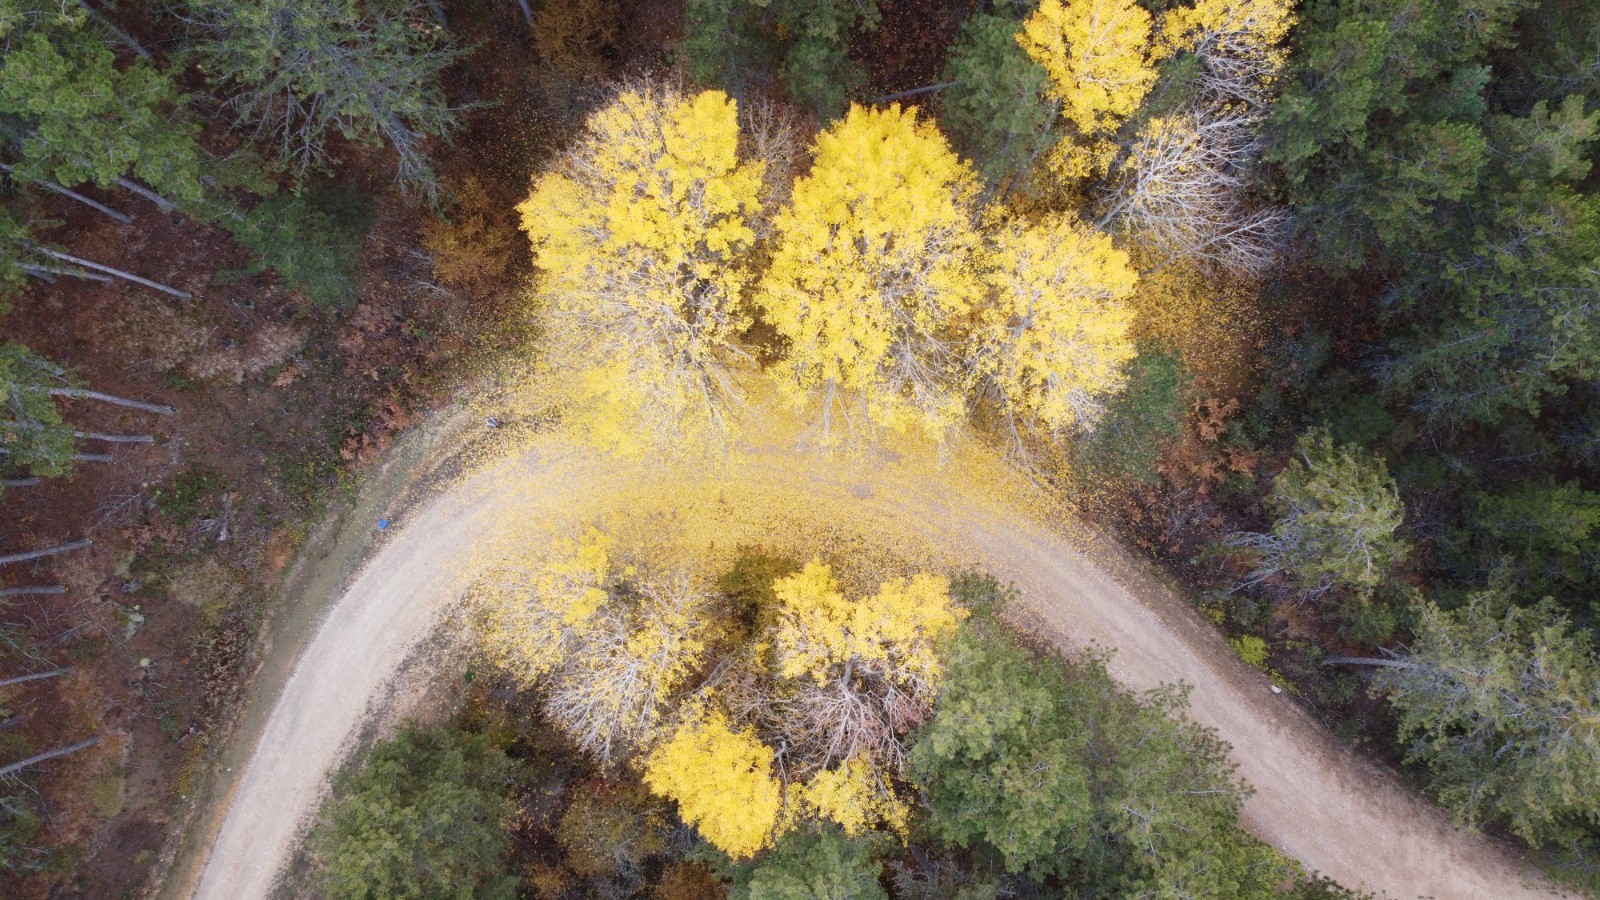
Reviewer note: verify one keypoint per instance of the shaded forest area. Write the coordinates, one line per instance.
(1360, 424)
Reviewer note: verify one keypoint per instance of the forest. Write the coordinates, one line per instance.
(1297, 303)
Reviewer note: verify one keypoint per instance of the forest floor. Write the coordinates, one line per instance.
(1314, 798)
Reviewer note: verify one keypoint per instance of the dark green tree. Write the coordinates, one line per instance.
(1502, 704)
(812, 863)
(423, 815)
(802, 43)
(996, 107)
(70, 114)
(301, 71)
(1059, 773)
(1337, 511)
(33, 436)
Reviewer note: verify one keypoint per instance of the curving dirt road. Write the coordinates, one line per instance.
(1315, 800)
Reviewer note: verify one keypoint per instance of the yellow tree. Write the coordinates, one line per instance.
(1052, 344)
(612, 645)
(865, 670)
(1240, 45)
(1098, 56)
(639, 233)
(533, 607)
(619, 679)
(723, 782)
(872, 272)
(1184, 188)
(862, 673)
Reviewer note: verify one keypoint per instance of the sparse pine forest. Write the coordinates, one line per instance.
(1299, 302)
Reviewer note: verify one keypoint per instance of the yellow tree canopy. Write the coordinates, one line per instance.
(819, 632)
(1097, 54)
(872, 270)
(1243, 30)
(855, 796)
(1055, 339)
(638, 233)
(723, 782)
(621, 677)
(534, 608)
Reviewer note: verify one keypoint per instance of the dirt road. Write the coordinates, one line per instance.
(1315, 800)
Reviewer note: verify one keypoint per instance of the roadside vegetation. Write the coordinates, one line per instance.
(1299, 299)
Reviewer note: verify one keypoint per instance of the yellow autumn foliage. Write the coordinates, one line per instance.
(1053, 342)
(723, 782)
(1097, 54)
(1251, 30)
(638, 233)
(819, 631)
(620, 678)
(855, 796)
(872, 272)
(533, 610)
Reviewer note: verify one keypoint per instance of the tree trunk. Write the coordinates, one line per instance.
(48, 755)
(67, 257)
(23, 590)
(928, 89)
(527, 14)
(163, 203)
(111, 26)
(6, 682)
(115, 438)
(18, 482)
(49, 273)
(1367, 661)
(95, 205)
(47, 551)
(85, 394)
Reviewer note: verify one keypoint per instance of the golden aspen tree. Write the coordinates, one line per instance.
(1098, 56)
(856, 796)
(620, 677)
(872, 272)
(820, 633)
(1184, 188)
(861, 672)
(534, 608)
(1240, 44)
(1052, 345)
(723, 782)
(638, 233)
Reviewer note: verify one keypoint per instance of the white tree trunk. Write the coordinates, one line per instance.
(95, 205)
(48, 755)
(27, 555)
(86, 394)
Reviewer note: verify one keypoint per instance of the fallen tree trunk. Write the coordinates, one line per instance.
(26, 555)
(48, 755)
(64, 191)
(128, 276)
(38, 676)
(1366, 661)
(115, 438)
(24, 590)
(86, 394)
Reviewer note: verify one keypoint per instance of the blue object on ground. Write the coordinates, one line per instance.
(383, 524)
